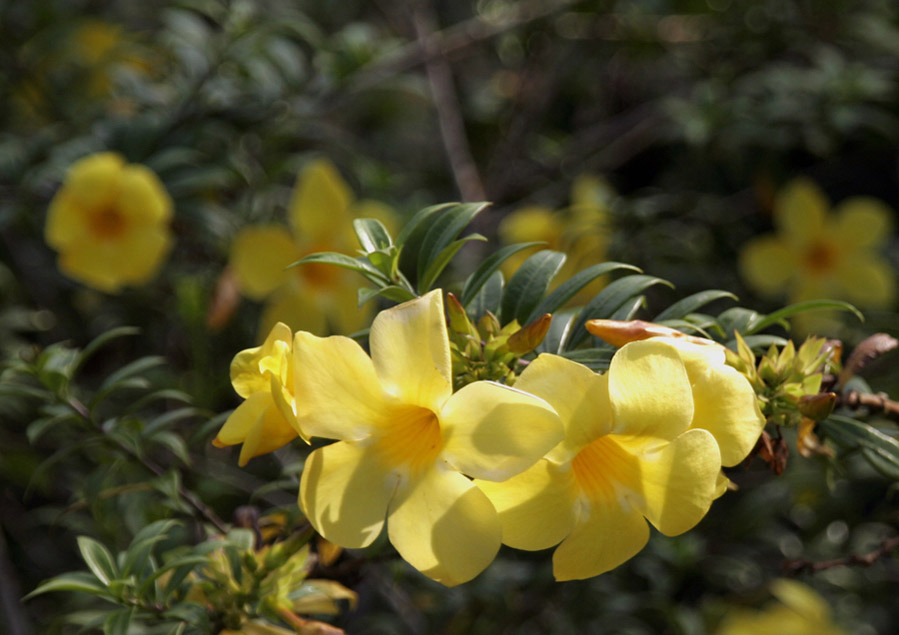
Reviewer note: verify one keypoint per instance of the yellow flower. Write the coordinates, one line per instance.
(800, 611)
(263, 376)
(406, 442)
(110, 222)
(581, 232)
(724, 402)
(628, 456)
(310, 297)
(815, 254)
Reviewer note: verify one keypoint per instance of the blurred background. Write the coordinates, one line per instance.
(663, 131)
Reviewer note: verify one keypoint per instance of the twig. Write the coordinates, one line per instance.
(880, 401)
(446, 102)
(794, 567)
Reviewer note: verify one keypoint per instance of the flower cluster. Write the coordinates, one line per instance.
(567, 457)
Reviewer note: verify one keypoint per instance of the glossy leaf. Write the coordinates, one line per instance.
(568, 289)
(691, 303)
(527, 286)
(487, 268)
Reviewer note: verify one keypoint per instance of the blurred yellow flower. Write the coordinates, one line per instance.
(263, 376)
(629, 455)
(110, 222)
(407, 442)
(313, 297)
(800, 611)
(815, 254)
(580, 231)
(724, 402)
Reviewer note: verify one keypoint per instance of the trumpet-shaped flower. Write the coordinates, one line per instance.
(800, 611)
(263, 376)
(110, 223)
(581, 231)
(819, 255)
(724, 402)
(310, 297)
(406, 442)
(628, 456)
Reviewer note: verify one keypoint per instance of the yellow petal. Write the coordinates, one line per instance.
(603, 538)
(649, 390)
(242, 420)
(868, 281)
(767, 264)
(141, 253)
(800, 212)
(344, 493)
(801, 599)
(249, 367)
(530, 224)
(580, 396)
(725, 405)
(87, 262)
(93, 182)
(142, 196)
(493, 431)
(536, 507)
(270, 432)
(445, 527)
(337, 392)
(66, 222)
(259, 256)
(294, 305)
(672, 484)
(863, 222)
(410, 349)
(319, 203)
(341, 305)
(108, 265)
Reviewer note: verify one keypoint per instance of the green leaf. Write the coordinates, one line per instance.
(738, 319)
(629, 309)
(620, 293)
(803, 307)
(757, 342)
(37, 428)
(691, 303)
(494, 261)
(558, 331)
(391, 292)
(416, 223)
(488, 298)
(78, 582)
(881, 450)
(174, 443)
(527, 286)
(442, 260)
(137, 367)
(359, 265)
(372, 234)
(442, 231)
(593, 358)
(568, 289)
(118, 621)
(98, 558)
(102, 340)
(168, 419)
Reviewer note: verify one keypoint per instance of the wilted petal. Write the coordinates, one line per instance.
(800, 212)
(649, 390)
(319, 203)
(606, 536)
(672, 484)
(410, 349)
(725, 404)
(259, 256)
(337, 392)
(863, 222)
(493, 431)
(767, 264)
(445, 527)
(344, 492)
(536, 507)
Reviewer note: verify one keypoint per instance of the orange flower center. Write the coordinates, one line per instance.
(319, 276)
(411, 438)
(108, 223)
(593, 468)
(820, 258)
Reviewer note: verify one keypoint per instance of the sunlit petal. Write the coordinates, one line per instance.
(259, 256)
(337, 392)
(271, 431)
(580, 396)
(242, 420)
(649, 390)
(410, 349)
(344, 492)
(493, 431)
(249, 366)
(536, 507)
(445, 527)
(319, 204)
(606, 536)
(767, 264)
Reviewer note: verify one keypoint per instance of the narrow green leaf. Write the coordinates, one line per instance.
(78, 582)
(174, 443)
(881, 450)
(526, 287)
(416, 224)
(392, 292)
(488, 298)
(372, 234)
(102, 340)
(137, 367)
(442, 260)
(757, 342)
(118, 621)
(444, 230)
(166, 394)
(568, 289)
(738, 319)
(494, 261)
(167, 419)
(629, 309)
(605, 304)
(37, 428)
(98, 559)
(691, 303)
(558, 331)
(593, 358)
(802, 307)
(359, 265)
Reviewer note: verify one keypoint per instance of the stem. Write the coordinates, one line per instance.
(794, 567)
